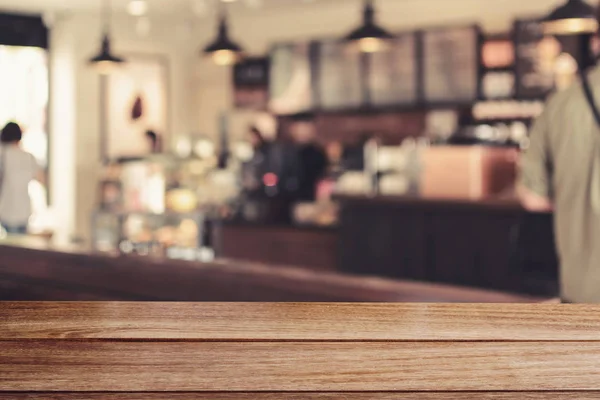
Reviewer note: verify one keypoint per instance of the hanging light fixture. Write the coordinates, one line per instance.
(575, 17)
(223, 50)
(369, 37)
(106, 62)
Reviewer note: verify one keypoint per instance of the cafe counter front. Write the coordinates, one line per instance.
(489, 244)
(34, 270)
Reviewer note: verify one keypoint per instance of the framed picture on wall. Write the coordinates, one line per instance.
(135, 108)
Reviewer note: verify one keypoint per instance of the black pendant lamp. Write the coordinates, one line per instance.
(575, 17)
(369, 37)
(223, 50)
(106, 62)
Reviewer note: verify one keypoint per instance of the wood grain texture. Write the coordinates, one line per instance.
(318, 367)
(306, 396)
(152, 351)
(299, 321)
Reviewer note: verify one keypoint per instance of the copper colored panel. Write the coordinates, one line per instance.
(498, 53)
(467, 172)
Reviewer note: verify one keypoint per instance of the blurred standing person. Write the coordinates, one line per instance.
(560, 172)
(255, 169)
(266, 178)
(17, 169)
(312, 159)
(259, 144)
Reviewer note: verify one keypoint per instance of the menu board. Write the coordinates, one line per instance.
(340, 75)
(451, 64)
(535, 58)
(251, 72)
(290, 80)
(545, 63)
(392, 77)
(251, 83)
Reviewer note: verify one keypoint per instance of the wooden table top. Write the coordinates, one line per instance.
(298, 351)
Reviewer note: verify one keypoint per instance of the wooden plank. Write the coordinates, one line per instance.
(300, 322)
(306, 396)
(40, 366)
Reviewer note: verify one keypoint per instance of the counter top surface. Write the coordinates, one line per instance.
(35, 243)
(165, 279)
(492, 202)
(273, 225)
(298, 321)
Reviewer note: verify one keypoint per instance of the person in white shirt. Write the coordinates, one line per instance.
(17, 169)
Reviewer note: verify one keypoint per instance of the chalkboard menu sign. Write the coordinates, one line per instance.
(290, 81)
(451, 64)
(339, 76)
(535, 56)
(251, 72)
(251, 83)
(392, 76)
(543, 63)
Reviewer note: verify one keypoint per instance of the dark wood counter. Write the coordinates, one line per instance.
(40, 273)
(488, 244)
(311, 247)
(153, 351)
(452, 204)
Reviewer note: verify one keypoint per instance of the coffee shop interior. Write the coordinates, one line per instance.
(281, 150)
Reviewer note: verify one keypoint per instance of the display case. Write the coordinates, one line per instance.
(170, 235)
(158, 206)
(166, 184)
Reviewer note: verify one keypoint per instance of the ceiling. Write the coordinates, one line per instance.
(170, 7)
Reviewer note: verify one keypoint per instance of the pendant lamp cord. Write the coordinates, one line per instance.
(369, 11)
(222, 12)
(222, 19)
(106, 17)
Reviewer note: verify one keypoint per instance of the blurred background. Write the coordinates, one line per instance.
(361, 138)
